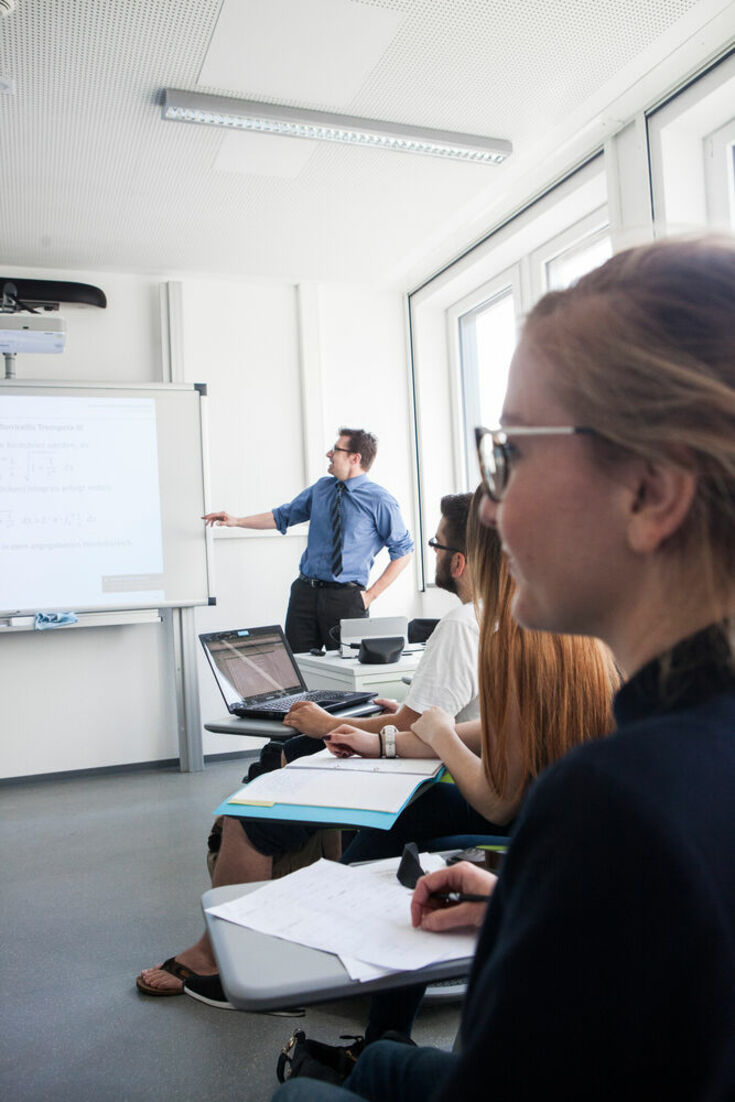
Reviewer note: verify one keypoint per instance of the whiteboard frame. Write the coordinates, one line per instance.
(24, 385)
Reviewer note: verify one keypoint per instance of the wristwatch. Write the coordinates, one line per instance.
(389, 733)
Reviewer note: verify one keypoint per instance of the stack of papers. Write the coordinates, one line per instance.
(355, 790)
(360, 913)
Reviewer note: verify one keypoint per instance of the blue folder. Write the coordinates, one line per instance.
(325, 816)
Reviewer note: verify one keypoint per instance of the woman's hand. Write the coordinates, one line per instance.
(387, 704)
(434, 727)
(345, 741)
(308, 718)
(431, 913)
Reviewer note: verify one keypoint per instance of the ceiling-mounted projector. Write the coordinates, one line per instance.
(31, 333)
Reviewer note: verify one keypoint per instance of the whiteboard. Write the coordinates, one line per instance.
(102, 489)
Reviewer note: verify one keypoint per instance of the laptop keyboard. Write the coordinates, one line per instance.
(317, 695)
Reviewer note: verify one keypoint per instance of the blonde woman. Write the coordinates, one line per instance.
(605, 967)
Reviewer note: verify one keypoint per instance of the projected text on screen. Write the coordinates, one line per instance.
(80, 511)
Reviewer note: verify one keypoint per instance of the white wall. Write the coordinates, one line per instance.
(119, 344)
(81, 698)
(337, 353)
(243, 341)
(274, 357)
(365, 381)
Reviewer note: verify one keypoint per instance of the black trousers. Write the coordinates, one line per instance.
(312, 611)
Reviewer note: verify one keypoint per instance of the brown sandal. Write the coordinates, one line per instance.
(180, 971)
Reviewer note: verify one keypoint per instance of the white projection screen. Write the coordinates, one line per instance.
(101, 495)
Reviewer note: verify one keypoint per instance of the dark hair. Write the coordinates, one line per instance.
(455, 510)
(363, 442)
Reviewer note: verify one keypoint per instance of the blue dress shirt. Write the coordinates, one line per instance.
(371, 520)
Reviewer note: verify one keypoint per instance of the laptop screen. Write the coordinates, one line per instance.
(252, 665)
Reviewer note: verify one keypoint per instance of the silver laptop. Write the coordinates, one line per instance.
(352, 632)
(258, 676)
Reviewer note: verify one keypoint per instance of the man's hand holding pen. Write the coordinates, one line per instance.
(432, 907)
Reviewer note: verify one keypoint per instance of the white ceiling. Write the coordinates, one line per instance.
(92, 178)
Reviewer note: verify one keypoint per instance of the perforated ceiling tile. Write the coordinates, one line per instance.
(319, 50)
(263, 155)
(92, 178)
(475, 65)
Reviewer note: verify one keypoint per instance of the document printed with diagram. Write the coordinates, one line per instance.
(258, 677)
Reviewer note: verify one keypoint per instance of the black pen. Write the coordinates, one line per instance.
(459, 897)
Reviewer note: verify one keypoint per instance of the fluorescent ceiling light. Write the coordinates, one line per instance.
(268, 118)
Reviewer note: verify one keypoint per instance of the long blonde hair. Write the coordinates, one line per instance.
(557, 688)
(643, 352)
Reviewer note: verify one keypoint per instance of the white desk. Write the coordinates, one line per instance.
(273, 728)
(260, 972)
(332, 672)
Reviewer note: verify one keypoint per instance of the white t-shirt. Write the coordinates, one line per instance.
(447, 673)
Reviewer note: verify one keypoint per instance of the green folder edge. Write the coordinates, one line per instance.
(324, 816)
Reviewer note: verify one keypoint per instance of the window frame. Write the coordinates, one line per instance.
(526, 281)
(677, 131)
(465, 392)
(441, 462)
(588, 229)
(719, 176)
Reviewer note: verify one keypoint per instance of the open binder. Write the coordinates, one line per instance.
(323, 789)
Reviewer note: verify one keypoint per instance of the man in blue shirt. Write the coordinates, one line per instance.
(351, 520)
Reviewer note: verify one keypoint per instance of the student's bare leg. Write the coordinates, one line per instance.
(238, 862)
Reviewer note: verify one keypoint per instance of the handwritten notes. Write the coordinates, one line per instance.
(361, 913)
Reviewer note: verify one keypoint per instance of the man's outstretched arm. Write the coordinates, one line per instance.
(257, 520)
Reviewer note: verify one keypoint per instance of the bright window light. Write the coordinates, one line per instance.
(487, 342)
(577, 260)
(495, 333)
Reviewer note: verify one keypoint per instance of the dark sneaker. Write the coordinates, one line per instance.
(302, 1057)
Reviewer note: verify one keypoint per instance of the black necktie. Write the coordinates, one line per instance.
(336, 562)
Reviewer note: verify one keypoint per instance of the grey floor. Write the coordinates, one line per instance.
(102, 876)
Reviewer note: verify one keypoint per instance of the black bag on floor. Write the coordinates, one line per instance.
(315, 1060)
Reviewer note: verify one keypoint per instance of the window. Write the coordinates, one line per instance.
(566, 256)
(670, 167)
(464, 323)
(488, 339)
(486, 342)
(691, 139)
(719, 170)
(575, 261)
(487, 321)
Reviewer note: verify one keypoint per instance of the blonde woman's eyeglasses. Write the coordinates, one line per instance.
(495, 451)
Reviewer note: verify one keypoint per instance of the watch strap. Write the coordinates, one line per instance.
(389, 733)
